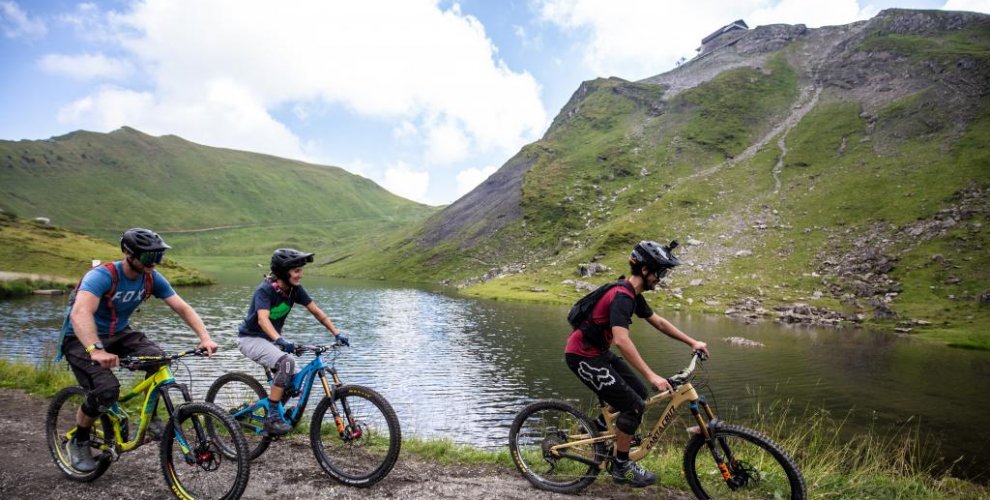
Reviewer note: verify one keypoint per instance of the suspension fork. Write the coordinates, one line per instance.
(188, 453)
(719, 448)
(337, 419)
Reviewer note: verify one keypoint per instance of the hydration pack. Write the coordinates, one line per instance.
(111, 267)
(580, 312)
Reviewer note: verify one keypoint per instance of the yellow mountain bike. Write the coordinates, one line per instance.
(557, 448)
(191, 442)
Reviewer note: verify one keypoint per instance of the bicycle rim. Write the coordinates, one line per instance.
(371, 440)
(206, 472)
(234, 393)
(760, 469)
(60, 419)
(544, 425)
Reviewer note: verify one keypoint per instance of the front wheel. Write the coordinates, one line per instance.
(192, 456)
(753, 467)
(545, 425)
(362, 447)
(61, 421)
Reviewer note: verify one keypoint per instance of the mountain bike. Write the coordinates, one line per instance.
(354, 432)
(190, 443)
(557, 448)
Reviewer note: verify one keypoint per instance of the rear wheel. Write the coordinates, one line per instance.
(235, 393)
(192, 460)
(757, 467)
(541, 426)
(60, 420)
(368, 447)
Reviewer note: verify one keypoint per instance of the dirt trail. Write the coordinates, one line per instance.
(287, 470)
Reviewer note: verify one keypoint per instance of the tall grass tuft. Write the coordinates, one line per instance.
(45, 378)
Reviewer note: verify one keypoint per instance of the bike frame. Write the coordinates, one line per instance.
(153, 387)
(684, 393)
(302, 385)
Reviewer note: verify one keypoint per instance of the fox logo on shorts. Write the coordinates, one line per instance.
(598, 377)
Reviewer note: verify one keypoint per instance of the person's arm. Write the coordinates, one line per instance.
(668, 329)
(84, 326)
(189, 315)
(322, 317)
(621, 339)
(265, 322)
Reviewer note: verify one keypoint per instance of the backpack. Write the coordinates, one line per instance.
(111, 267)
(580, 312)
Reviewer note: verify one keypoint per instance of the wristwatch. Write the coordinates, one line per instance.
(92, 347)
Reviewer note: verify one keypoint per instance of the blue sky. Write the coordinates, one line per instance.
(425, 97)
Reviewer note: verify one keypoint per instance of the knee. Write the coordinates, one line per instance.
(100, 400)
(284, 368)
(630, 419)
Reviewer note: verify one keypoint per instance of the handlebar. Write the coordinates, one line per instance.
(681, 377)
(317, 349)
(137, 362)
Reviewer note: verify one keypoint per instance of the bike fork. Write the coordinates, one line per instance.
(718, 447)
(337, 419)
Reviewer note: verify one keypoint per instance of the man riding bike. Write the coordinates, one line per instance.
(589, 356)
(98, 330)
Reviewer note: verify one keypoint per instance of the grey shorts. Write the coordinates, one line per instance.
(261, 351)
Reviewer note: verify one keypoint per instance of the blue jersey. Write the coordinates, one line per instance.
(126, 299)
(277, 302)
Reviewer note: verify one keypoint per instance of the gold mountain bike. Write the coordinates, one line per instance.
(557, 448)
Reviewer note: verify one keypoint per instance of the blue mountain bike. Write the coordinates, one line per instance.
(353, 432)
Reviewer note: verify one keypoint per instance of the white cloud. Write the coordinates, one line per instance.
(15, 23)
(86, 66)
(968, 5)
(410, 62)
(406, 182)
(446, 144)
(811, 13)
(470, 178)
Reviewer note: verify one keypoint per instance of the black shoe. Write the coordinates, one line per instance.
(630, 472)
(80, 455)
(275, 425)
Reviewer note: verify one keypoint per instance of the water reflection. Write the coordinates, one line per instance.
(460, 368)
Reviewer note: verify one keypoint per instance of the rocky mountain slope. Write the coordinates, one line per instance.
(833, 175)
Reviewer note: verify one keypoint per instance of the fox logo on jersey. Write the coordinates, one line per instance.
(598, 377)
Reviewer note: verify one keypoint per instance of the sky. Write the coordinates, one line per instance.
(425, 97)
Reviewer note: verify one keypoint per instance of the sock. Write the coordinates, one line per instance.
(82, 434)
(622, 456)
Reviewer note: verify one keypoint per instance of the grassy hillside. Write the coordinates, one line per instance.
(64, 255)
(857, 185)
(206, 201)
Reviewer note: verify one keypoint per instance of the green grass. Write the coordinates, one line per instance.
(878, 463)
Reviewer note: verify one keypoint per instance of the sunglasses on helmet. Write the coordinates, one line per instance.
(148, 258)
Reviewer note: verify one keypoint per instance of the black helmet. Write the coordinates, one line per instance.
(655, 256)
(287, 258)
(138, 240)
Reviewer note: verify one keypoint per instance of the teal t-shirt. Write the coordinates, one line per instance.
(126, 299)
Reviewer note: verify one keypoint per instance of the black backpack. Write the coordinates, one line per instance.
(581, 310)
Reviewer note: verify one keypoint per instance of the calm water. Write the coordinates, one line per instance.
(461, 368)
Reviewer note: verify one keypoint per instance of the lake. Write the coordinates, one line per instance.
(461, 368)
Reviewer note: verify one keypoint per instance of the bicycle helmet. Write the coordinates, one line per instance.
(655, 256)
(138, 240)
(284, 259)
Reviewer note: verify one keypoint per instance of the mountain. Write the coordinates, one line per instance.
(834, 175)
(206, 201)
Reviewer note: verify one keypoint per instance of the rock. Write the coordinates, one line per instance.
(743, 253)
(743, 342)
(696, 282)
(587, 270)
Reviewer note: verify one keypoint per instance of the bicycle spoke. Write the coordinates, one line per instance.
(535, 440)
(205, 471)
(759, 469)
(369, 445)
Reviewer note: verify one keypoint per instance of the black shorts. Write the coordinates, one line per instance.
(611, 378)
(93, 377)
